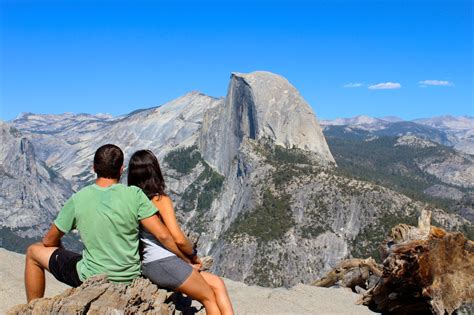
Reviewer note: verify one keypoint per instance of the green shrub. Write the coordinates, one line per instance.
(268, 221)
(183, 160)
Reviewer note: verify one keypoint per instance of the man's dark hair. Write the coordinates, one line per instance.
(108, 161)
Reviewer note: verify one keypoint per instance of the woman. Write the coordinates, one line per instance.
(160, 265)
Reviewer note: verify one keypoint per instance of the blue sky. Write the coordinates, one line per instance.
(118, 56)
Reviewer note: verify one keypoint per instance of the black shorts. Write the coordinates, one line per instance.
(62, 265)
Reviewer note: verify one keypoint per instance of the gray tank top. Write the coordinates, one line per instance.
(152, 248)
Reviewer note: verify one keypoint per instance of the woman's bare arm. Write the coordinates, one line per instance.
(165, 205)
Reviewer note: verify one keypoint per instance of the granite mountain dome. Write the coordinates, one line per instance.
(260, 105)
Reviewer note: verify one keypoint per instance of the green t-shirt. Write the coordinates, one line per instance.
(107, 220)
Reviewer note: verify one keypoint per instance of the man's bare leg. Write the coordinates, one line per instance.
(37, 260)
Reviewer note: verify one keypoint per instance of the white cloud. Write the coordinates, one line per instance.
(385, 86)
(353, 85)
(425, 83)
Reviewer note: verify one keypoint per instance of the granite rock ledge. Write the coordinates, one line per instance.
(99, 296)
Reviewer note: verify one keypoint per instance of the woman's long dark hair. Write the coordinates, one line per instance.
(144, 171)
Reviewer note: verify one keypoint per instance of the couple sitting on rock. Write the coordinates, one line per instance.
(112, 219)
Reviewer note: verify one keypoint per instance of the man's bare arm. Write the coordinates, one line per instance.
(53, 237)
(154, 225)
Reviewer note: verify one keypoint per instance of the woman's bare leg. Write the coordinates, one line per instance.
(218, 286)
(197, 288)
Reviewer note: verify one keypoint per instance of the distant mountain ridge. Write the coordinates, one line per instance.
(454, 131)
(251, 172)
(459, 122)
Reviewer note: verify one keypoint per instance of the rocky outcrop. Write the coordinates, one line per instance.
(98, 296)
(453, 169)
(414, 141)
(260, 105)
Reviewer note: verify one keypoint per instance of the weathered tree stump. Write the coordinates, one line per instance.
(425, 270)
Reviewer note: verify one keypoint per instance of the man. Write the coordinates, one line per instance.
(107, 215)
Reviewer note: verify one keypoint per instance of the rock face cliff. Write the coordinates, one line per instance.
(251, 173)
(30, 192)
(260, 105)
